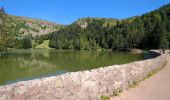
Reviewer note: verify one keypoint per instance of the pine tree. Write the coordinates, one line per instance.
(26, 43)
(3, 30)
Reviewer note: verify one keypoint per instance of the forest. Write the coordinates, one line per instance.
(148, 31)
(8, 34)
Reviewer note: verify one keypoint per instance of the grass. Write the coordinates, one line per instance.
(117, 92)
(44, 45)
(154, 72)
(104, 97)
(134, 84)
(150, 74)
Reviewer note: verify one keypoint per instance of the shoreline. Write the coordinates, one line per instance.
(90, 84)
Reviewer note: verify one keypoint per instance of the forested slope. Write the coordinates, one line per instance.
(31, 26)
(148, 31)
(17, 32)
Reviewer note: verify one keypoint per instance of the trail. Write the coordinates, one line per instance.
(157, 87)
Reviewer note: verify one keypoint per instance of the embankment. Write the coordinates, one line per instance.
(83, 85)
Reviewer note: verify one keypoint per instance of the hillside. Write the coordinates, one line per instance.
(25, 26)
(44, 45)
(84, 22)
(148, 31)
(18, 32)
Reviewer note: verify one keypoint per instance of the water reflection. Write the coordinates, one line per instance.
(27, 64)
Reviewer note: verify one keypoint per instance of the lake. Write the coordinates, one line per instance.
(20, 65)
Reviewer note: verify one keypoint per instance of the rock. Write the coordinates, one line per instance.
(85, 85)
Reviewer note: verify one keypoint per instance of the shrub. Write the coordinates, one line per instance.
(116, 92)
(103, 97)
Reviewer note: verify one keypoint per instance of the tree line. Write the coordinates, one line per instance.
(9, 37)
(3, 31)
(148, 31)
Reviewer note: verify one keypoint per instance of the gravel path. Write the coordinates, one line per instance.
(156, 87)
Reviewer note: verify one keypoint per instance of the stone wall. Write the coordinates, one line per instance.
(83, 85)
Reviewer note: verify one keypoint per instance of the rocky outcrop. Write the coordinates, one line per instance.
(30, 26)
(83, 85)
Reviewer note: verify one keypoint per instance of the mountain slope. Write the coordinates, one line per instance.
(84, 22)
(34, 27)
(148, 31)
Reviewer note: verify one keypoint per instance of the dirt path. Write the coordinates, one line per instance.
(156, 87)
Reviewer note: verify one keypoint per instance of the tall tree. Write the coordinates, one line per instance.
(149, 31)
(26, 43)
(3, 30)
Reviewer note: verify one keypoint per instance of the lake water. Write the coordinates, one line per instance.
(20, 65)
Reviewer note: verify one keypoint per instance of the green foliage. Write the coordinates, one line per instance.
(117, 92)
(118, 42)
(44, 27)
(164, 43)
(103, 97)
(25, 26)
(44, 45)
(133, 84)
(5, 38)
(40, 41)
(26, 43)
(149, 31)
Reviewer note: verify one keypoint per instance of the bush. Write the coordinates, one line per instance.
(103, 97)
(117, 92)
(26, 43)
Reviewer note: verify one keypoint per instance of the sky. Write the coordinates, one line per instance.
(67, 11)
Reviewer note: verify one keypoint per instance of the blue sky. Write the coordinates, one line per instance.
(67, 11)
